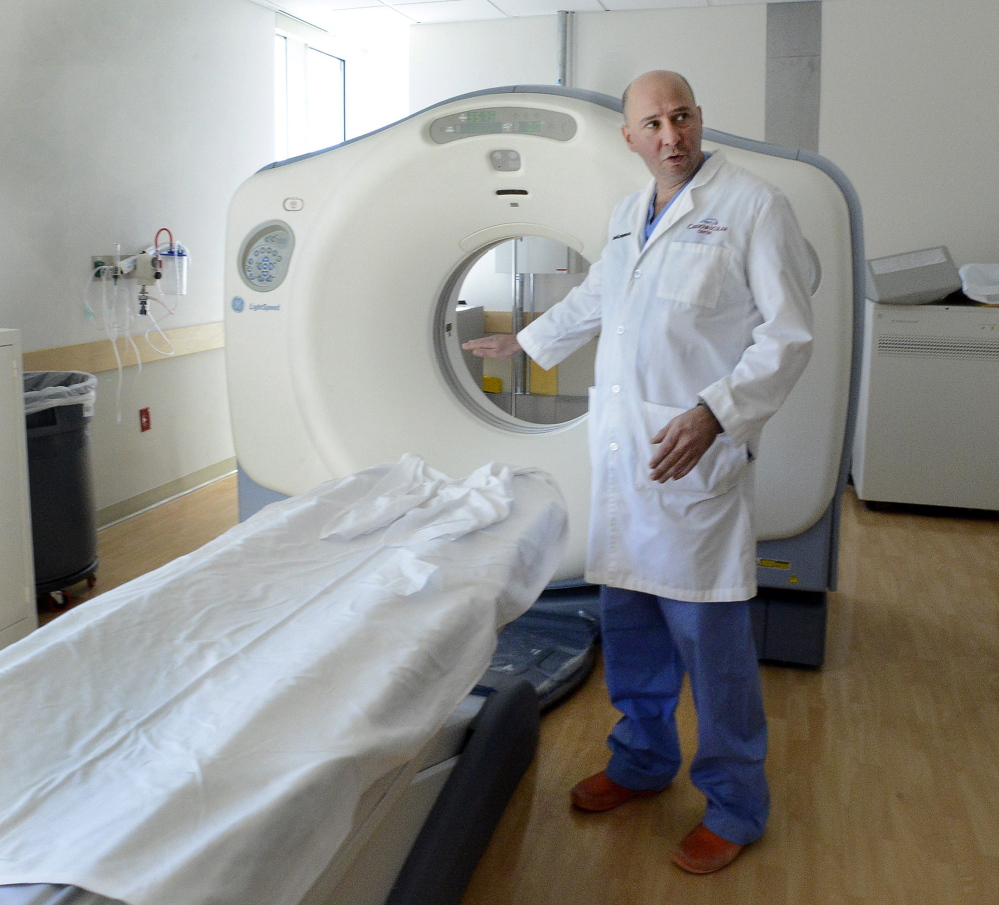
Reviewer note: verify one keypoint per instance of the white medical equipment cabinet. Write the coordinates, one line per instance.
(928, 420)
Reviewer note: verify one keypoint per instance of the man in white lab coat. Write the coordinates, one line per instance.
(701, 300)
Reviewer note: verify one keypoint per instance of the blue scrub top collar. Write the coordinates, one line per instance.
(653, 219)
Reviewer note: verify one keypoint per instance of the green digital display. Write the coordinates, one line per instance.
(479, 128)
(525, 121)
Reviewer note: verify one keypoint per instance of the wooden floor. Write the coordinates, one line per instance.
(884, 764)
(146, 541)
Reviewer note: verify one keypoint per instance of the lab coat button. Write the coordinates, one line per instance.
(620, 330)
(637, 274)
(613, 447)
(616, 388)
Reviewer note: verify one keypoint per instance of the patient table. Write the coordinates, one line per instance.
(270, 719)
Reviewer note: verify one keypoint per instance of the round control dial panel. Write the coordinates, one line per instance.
(265, 255)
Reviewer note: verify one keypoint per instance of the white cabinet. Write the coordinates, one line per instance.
(927, 420)
(18, 614)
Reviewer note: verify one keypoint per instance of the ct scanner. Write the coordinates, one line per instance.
(343, 269)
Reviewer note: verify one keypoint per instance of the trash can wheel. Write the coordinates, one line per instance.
(59, 600)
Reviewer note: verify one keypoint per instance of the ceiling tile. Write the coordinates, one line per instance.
(524, 8)
(371, 17)
(324, 14)
(342, 14)
(448, 11)
(312, 10)
(625, 5)
(734, 2)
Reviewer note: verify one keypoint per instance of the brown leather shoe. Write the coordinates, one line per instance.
(600, 793)
(704, 852)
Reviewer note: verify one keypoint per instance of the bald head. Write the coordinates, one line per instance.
(663, 125)
(658, 78)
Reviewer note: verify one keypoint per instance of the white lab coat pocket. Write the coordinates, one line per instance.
(693, 274)
(717, 471)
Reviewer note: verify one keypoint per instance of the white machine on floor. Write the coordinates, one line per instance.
(927, 423)
(344, 270)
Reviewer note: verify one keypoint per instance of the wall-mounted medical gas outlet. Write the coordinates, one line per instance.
(166, 261)
(148, 268)
(144, 267)
(103, 266)
(145, 422)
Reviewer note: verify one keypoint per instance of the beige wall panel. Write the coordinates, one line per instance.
(100, 356)
(189, 411)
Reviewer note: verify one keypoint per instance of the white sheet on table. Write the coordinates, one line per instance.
(204, 733)
(44, 894)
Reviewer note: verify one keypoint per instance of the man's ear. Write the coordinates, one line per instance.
(626, 132)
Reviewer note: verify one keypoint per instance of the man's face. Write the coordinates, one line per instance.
(664, 128)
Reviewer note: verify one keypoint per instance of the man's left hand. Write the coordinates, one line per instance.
(682, 442)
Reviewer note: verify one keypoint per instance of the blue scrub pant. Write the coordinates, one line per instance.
(649, 643)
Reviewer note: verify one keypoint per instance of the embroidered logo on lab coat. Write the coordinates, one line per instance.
(707, 226)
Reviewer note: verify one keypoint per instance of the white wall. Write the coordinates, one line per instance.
(909, 96)
(722, 50)
(120, 118)
(376, 52)
(458, 57)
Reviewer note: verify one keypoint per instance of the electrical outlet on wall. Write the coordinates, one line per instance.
(144, 421)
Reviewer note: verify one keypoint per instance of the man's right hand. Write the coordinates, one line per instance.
(499, 345)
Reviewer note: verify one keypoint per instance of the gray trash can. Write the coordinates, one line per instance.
(58, 407)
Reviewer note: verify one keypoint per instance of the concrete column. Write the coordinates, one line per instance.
(794, 57)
